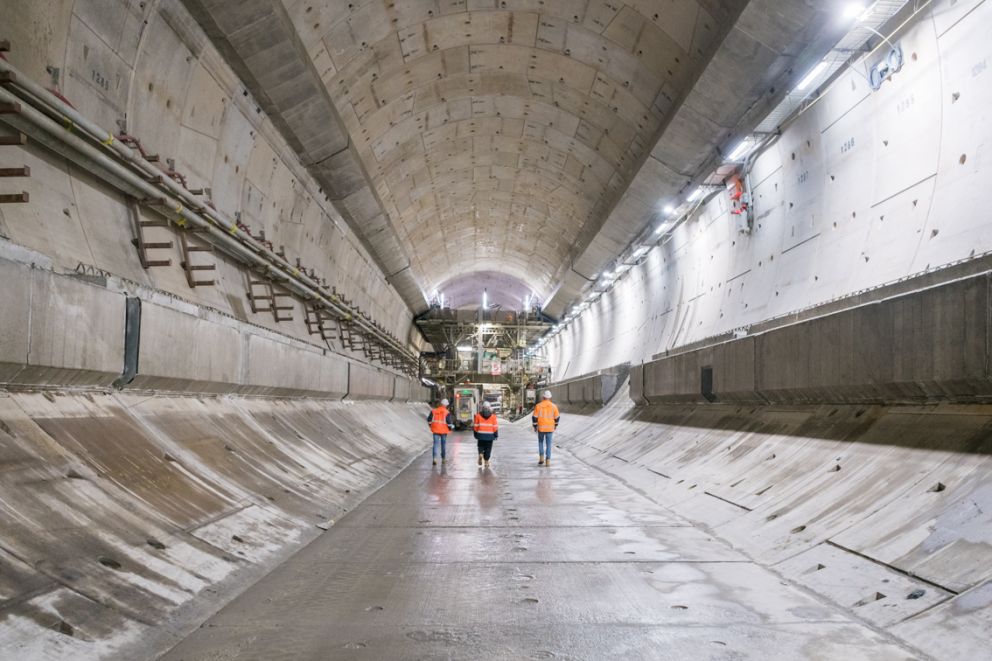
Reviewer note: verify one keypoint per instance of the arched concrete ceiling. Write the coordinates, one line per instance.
(496, 132)
(530, 137)
(501, 289)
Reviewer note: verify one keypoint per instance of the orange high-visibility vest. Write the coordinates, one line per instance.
(439, 418)
(485, 425)
(546, 412)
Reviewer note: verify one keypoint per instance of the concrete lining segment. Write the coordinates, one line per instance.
(259, 42)
(183, 102)
(856, 200)
(930, 345)
(183, 348)
(755, 61)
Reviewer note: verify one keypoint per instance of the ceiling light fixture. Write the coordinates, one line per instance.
(695, 195)
(853, 10)
(811, 76)
(738, 152)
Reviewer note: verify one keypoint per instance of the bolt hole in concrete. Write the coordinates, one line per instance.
(73, 475)
(110, 562)
(238, 539)
(530, 600)
(65, 628)
(155, 544)
(797, 529)
(372, 609)
(936, 488)
(916, 594)
(679, 607)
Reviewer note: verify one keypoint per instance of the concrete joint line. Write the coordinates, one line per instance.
(729, 502)
(897, 570)
(346, 147)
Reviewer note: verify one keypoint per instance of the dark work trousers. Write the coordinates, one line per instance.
(485, 449)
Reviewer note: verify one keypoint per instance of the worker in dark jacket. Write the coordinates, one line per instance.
(486, 430)
(441, 422)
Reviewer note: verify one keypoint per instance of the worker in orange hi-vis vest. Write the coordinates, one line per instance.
(545, 422)
(441, 422)
(486, 430)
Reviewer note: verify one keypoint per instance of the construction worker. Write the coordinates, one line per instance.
(441, 422)
(486, 430)
(545, 421)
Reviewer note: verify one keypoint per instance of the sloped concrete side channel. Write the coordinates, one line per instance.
(519, 561)
(884, 511)
(126, 520)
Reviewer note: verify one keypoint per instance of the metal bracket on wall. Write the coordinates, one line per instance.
(318, 322)
(138, 227)
(16, 139)
(263, 297)
(188, 248)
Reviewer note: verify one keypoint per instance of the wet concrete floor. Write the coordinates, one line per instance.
(521, 561)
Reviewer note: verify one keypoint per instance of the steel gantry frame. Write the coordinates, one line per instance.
(447, 329)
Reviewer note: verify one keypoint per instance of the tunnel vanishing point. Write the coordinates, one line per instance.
(247, 247)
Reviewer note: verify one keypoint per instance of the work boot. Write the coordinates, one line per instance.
(434, 462)
(443, 460)
(547, 462)
(480, 458)
(487, 463)
(540, 460)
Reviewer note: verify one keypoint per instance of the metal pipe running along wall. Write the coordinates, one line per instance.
(129, 173)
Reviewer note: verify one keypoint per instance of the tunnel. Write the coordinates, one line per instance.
(495, 329)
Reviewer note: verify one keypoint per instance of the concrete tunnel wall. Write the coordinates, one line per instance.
(845, 440)
(930, 345)
(128, 517)
(863, 189)
(150, 66)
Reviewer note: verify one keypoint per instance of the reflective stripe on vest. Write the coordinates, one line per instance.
(439, 420)
(485, 425)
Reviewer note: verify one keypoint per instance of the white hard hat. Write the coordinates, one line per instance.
(486, 406)
(444, 402)
(547, 394)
